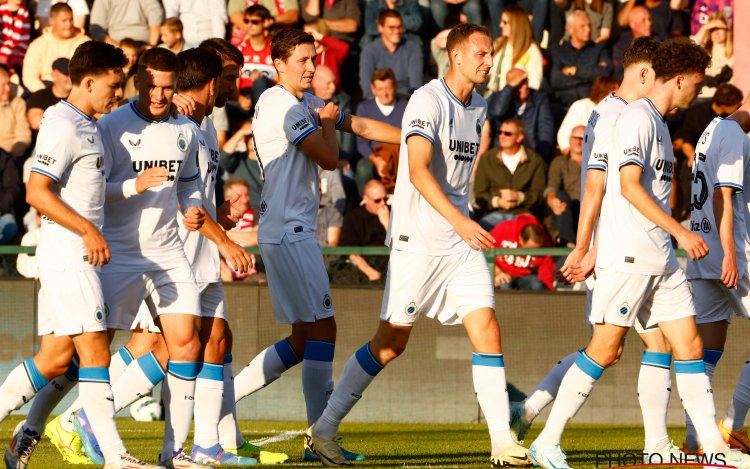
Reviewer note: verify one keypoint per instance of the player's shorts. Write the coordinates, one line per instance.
(643, 301)
(297, 281)
(144, 320)
(212, 300)
(171, 291)
(714, 302)
(446, 288)
(70, 301)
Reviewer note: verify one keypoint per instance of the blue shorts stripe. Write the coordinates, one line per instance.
(36, 378)
(125, 354)
(93, 375)
(319, 350)
(589, 366)
(287, 354)
(228, 358)
(211, 371)
(368, 362)
(487, 359)
(689, 366)
(657, 359)
(151, 368)
(712, 356)
(72, 372)
(184, 370)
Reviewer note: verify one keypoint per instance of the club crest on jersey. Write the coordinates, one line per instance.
(182, 143)
(623, 309)
(411, 309)
(327, 303)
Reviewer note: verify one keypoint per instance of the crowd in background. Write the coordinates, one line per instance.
(554, 61)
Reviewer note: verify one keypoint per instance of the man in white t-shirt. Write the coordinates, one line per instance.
(720, 281)
(437, 268)
(638, 278)
(294, 133)
(67, 187)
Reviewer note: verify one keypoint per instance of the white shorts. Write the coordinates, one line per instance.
(297, 280)
(144, 320)
(70, 301)
(714, 302)
(212, 306)
(643, 301)
(446, 288)
(172, 291)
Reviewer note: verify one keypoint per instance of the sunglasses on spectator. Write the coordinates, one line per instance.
(576, 137)
(378, 200)
(254, 22)
(506, 133)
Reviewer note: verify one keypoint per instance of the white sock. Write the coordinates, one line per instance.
(20, 387)
(654, 386)
(737, 412)
(575, 388)
(711, 358)
(138, 380)
(317, 377)
(697, 398)
(547, 389)
(178, 393)
(230, 435)
(209, 387)
(359, 371)
(488, 372)
(98, 403)
(265, 368)
(118, 363)
(48, 398)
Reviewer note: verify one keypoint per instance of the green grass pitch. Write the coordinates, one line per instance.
(385, 444)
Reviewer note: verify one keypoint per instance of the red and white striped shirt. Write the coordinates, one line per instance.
(16, 35)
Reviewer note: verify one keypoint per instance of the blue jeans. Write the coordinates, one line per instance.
(493, 218)
(8, 228)
(472, 9)
(528, 282)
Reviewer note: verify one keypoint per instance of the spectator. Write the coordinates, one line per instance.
(80, 12)
(205, 18)
(258, 71)
(170, 33)
(517, 99)
(132, 51)
(640, 25)
(385, 106)
(578, 61)
(408, 9)
(10, 191)
(716, 37)
(324, 87)
(331, 208)
(342, 16)
(537, 10)
(703, 9)
(439, 54)
(15, 134)
(366, 225)
(40, 100)
(509, 179)
(330, 51)
(392, 51)
(578, 112)
(238, 159)
(667, 21)
(516, 48)
(244, 233)
(285, 13)
(442, 9)
(15, 34)
(563, 193)
(519, 271)
(59, 40)
(114, 20)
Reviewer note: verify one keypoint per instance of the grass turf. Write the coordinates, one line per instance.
(386, 444)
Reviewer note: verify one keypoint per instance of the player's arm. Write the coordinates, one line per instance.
(420, 155)
(244, 238)
(364, 267)
(40, 196)
(321, 144)
(633, 191)
(723, 212)
(575, 269)
(237, 257)
(371, 129)
(121, 190)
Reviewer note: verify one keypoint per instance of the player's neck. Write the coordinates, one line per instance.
(298, 93)
(742, 117)
(661, 97)
(79, 99)
(459, 86)
(199, 113)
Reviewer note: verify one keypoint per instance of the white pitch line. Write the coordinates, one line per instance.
(288, 435)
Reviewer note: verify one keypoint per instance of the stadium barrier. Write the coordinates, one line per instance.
(431, 382)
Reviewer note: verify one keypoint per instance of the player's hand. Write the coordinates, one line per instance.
(583, 270)
(229, 214)
(693, 243)
(183, 104)
(474, 235)
(151, 177)
(501, 278)
(572, 262)
(236, 256)
(329, 112)
(96, 247)
(373, 275)
(194, 218)
(729, 274)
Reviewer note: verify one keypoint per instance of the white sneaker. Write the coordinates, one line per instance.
(664, 455)
(549, 457)
(327, 449)
(129, 462)
(736, 458)
(180, 460)
(513, 456)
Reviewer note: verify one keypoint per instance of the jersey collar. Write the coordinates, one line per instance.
(453, 96)
(656, 111)
(147, 119)
(82, 114)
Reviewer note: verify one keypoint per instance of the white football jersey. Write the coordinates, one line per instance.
(722, 159)
(455, 131)
(69, 151)
(203, 254)
(142, 229)
(291, 193)
(636, 244)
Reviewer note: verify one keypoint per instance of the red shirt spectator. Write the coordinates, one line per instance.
(256, 48)
(524, 231)
(331, 52)
(16, 32)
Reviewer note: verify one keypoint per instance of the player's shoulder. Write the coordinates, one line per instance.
(277, 96)
(312, 101)
(611, 106)
(117, 117)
